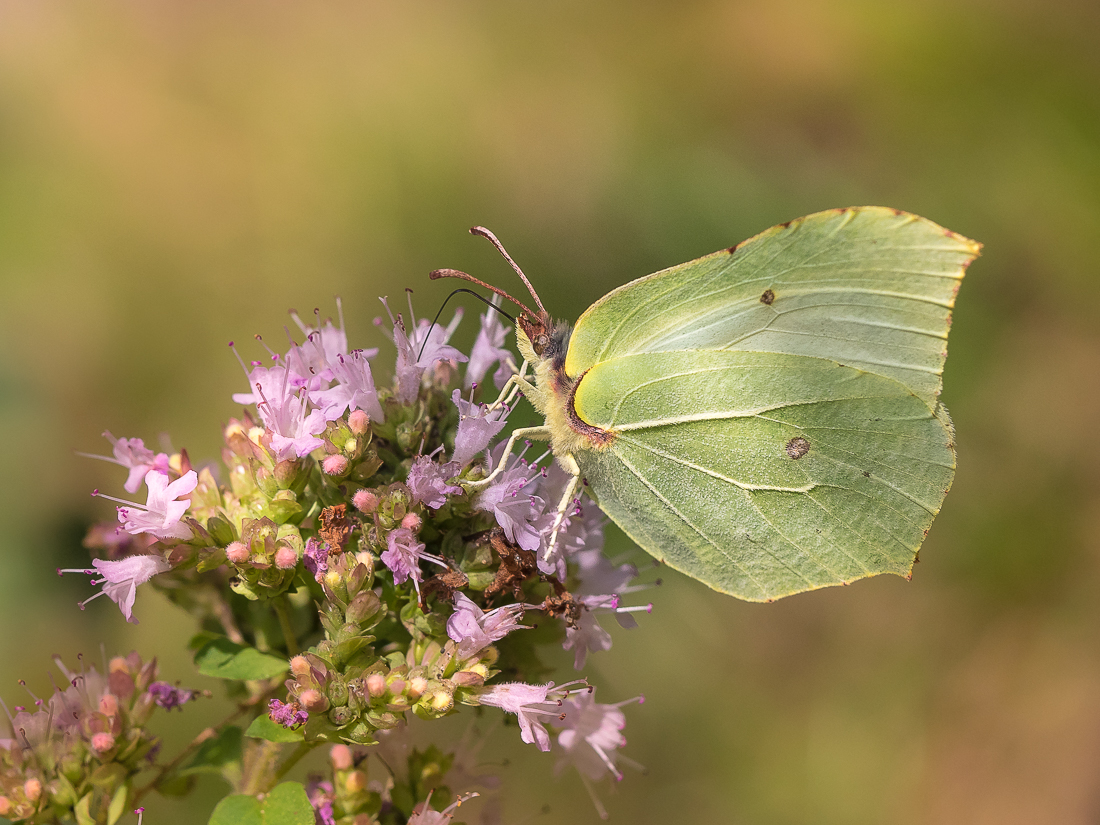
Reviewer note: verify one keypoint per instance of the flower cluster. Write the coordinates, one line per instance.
(72, 756)
(358, 530)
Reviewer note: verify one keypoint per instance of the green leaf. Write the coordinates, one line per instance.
(286, 804)
(238, 809)
(118, 804)
(224, 659)
(263, 728)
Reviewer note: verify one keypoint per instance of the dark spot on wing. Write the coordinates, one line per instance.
(733, 248)
(866, 474)
(797, 447)
(767, 297)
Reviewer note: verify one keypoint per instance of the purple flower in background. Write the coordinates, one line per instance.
(474, 629)
(477, 426)
(162, 513)
(427, 481)
(168, 696)
(592, 736)
(489, 349)
(121, 579)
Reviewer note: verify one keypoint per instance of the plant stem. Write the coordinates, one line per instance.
(294, 758)
(283, 613)
(206, 735)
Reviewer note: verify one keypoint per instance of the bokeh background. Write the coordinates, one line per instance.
(174, 175)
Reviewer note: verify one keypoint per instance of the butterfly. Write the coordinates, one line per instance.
(764, 419)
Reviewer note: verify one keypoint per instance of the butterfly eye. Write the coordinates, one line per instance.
(542, 341)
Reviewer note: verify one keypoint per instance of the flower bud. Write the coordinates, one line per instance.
(397, 686)
(102, 742)
(299, 666)
(285, 558)
(108, 704)
(338, 691)
(417, 686)
(359, 422)
(356, 781)
(237, 553)
(341, 757)
(32, 788)
(313, 700)
(376, 685)
(441, 701)
(335, 465)
(341, 716)
(365, 501)
(411, 521)
(5, 806)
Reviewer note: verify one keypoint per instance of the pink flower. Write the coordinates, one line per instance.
(592, 736)
(518, 512)
(354, 389)
(121, 579)
(489, 349)
(528, 702)
(162, 513)
(424, 814)
(411, 362)
(132, 454)
(474, 629)
(403, 556)
(427, 481)
(477, 426)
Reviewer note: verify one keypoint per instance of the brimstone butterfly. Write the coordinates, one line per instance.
(764, 419)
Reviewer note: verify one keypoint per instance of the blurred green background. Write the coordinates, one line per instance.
(174, 175)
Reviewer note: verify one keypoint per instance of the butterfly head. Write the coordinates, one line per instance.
(541, 339)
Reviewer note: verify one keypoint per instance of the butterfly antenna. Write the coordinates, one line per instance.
(485, 233)
(454, 273)
(435, 320)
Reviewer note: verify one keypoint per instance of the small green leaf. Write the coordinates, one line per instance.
(224, 659)
(238, 809)
(287, 804)
(81, 811)
(118, 804)
(263, 728)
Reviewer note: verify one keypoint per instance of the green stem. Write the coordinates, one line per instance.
(294, 758)
(206, 735)
(283, 613)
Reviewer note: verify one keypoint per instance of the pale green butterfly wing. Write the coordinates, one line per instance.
(867, 287)
(775, 404)
(764, 475)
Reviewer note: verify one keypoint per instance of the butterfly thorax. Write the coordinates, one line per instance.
(544, 345)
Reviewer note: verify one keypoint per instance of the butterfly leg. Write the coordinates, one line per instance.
(534, 433)
(569, 464)
(512, 388)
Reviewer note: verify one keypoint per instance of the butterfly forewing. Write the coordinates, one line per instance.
(866, 287)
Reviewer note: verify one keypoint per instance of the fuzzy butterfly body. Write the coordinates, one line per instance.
(766, 419)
